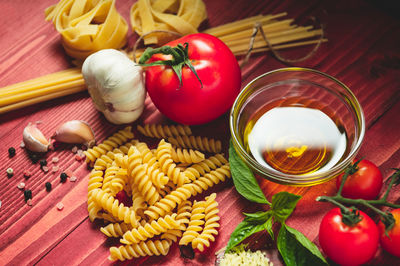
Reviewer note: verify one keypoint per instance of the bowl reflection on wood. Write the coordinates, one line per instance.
(297, 126)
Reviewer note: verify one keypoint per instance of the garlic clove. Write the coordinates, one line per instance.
(75, 131)
(34, 139)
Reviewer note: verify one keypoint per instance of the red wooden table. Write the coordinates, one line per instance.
(362, 51)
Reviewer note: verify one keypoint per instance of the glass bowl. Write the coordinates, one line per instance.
(297, 126)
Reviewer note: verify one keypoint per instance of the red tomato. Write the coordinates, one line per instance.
(190, 103)
(391, 242)
(348, 245)
(366, 183)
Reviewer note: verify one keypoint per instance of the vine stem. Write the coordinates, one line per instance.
(367, 203)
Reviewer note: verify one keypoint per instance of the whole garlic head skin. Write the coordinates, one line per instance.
(116, 85)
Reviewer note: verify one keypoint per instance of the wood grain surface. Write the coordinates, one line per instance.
(363, 52)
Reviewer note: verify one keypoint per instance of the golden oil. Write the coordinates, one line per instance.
(295, 136)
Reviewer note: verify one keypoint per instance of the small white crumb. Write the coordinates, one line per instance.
(60, 206)
(0, 203)
(55, 159)
(55, 168)
(73, 178)
(22, 145)
(74, 149)
(21, 185)
(29, 202)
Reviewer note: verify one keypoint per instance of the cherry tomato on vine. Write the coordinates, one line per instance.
(391, 241)
(366, 183)
(348, 244)
(205, 91)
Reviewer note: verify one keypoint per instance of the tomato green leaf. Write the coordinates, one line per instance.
(296, 249)
(283, 204)
(254, 223)
(244, 180)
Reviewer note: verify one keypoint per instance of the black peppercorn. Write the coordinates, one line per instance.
(34, 157)
(11, 152)
(63, 177)
(48, 186)
(27, 195)
(43, 162)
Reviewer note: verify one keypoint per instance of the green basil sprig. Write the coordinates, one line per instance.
(295, 248)
(244, 180)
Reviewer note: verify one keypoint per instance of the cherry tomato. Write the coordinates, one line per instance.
(348, 245)
(391, 242)
(193, 102)
(366, 183)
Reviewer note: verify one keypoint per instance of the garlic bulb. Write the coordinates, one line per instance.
(116, 85)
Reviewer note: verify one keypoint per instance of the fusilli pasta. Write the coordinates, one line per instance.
(197, 142)
(164, 131)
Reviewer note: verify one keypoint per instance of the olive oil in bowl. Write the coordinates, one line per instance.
(295, 136)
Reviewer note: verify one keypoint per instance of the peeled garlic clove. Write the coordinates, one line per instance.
(34, 139)
(75, 131)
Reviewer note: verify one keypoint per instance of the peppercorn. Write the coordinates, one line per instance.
(48, 186)
(43, 162)
(10, 172)
(63, 177)
(11, 152)
(34, 157)
(27, 195)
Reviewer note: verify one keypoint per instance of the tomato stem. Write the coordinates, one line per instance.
(339, 200)
(180, 58)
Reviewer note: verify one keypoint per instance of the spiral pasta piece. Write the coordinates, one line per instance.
(183, 216)
(144, 248)
(211, 223)
(195, 223)
(123, 149)
(137, 172)
(95, 182)
(197, 142)
(210, 179)
(167, 165)
(150, 229)
(138, 201)
(104, 161)
(187, 156)
(164, 131)
(169, 202)
(209, 164)
(119, 181)
(88, 26)
(112, 142)
(158, 178)
(109, 176)
(121, 161)
(111, 205)
(115, 229)
(147, 155)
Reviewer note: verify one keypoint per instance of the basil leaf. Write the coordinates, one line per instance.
(298, 250)
(251, 224)
(257, 217)
(243, 178)
(283, 204)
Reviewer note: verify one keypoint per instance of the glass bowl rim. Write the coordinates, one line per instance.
(290, 179)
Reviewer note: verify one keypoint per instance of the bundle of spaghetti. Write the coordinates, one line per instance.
(280, 33)
(41, 89)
